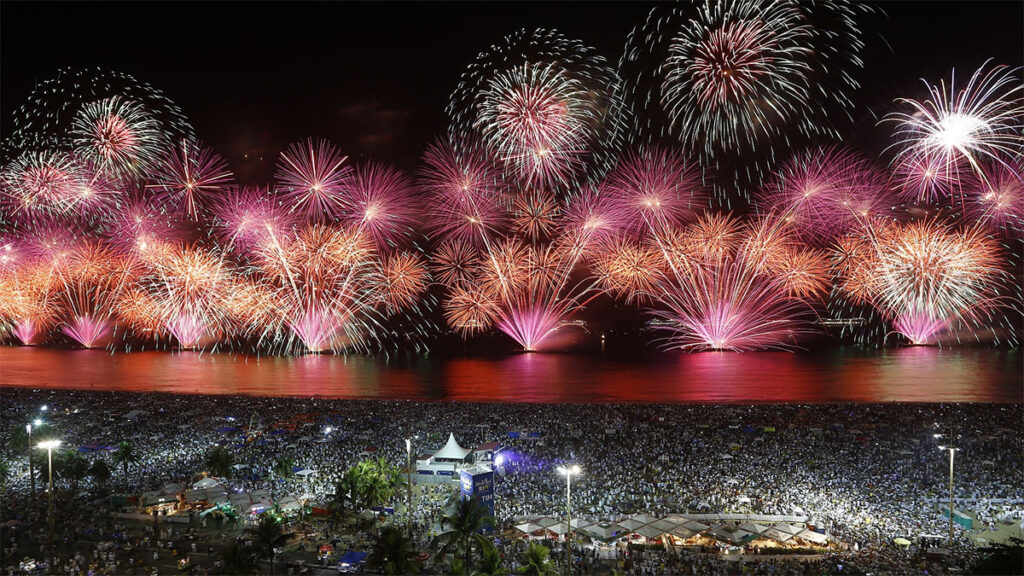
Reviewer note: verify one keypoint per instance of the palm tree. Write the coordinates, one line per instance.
(536, 562)
(392, 553)
(72, 466)
(125, 455)
(5, 472)
(380, 480)
(266, 536)
(467, 517)
(283, 468)
(346, 493)
(238, 559)
(220, 461)
(490, 558)
(100, 471)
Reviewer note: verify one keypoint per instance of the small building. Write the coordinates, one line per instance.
(443, 465)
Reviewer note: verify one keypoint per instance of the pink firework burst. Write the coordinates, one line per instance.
(27, 303)
(655, 189)
(923, 276)
(590, 220)
(730, 306)
(313, 179)
(467, 196)
(118, 136)
(188, 176)
(924, 179)
(531, 325)
(826, 192)
(997, 200)
(38, 183)
(537, 120)
(189, 286)
(94, 194)
(140, 228)
(248, 218)
(89, 283)
(380, 201)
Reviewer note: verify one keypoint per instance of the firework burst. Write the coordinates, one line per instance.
(189, 175)
(467, 198)
(39, 183)
(313, 179)
(249, 217)
(729, 79)
(89, 284)
(826, 192)
(998, 199)
(544, 105)
(508, 260)
(922, 276)
(117, 136)
(50, 112)
(188, 288)
(954, 132)
(654, 190)
(379, 201)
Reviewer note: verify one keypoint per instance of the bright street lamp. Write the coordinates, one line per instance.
(952, 451)
(568, 472)
(49, 445)
(408, 477)
(31, 467)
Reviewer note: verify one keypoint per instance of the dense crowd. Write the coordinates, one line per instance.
(866, 473)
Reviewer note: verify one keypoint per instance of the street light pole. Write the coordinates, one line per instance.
(408, 477)
(49, 445)
(31, 467)
(568, 472)
(951, 452)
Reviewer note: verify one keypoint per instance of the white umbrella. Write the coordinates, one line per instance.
(305, 472)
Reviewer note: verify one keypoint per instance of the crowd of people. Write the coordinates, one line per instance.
(866, 473)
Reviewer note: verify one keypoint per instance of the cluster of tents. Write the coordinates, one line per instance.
(731, 529)
(212, 492)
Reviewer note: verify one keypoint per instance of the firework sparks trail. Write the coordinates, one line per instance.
(953, 133)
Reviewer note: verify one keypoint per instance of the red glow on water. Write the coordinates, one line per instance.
(912, 374)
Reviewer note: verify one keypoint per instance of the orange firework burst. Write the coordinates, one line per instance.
(923, 276)
(90, 281)
(534, 213)
(629, 270)
(405, 280)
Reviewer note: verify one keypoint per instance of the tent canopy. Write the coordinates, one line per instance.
(451, 450)
(206, 483)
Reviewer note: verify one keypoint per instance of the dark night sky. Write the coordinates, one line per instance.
(375, 78)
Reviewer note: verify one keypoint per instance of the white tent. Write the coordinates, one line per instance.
(754, 528)
(776, 535)
(695, 526)
(451, 450)
(665, 525)
(578, 523)
(527, 527)
(812, 536)
(632, 523)
(206, 483)
(682, 532)
(649, 531)
(289, 503)
(305, 472)
(601, 531)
